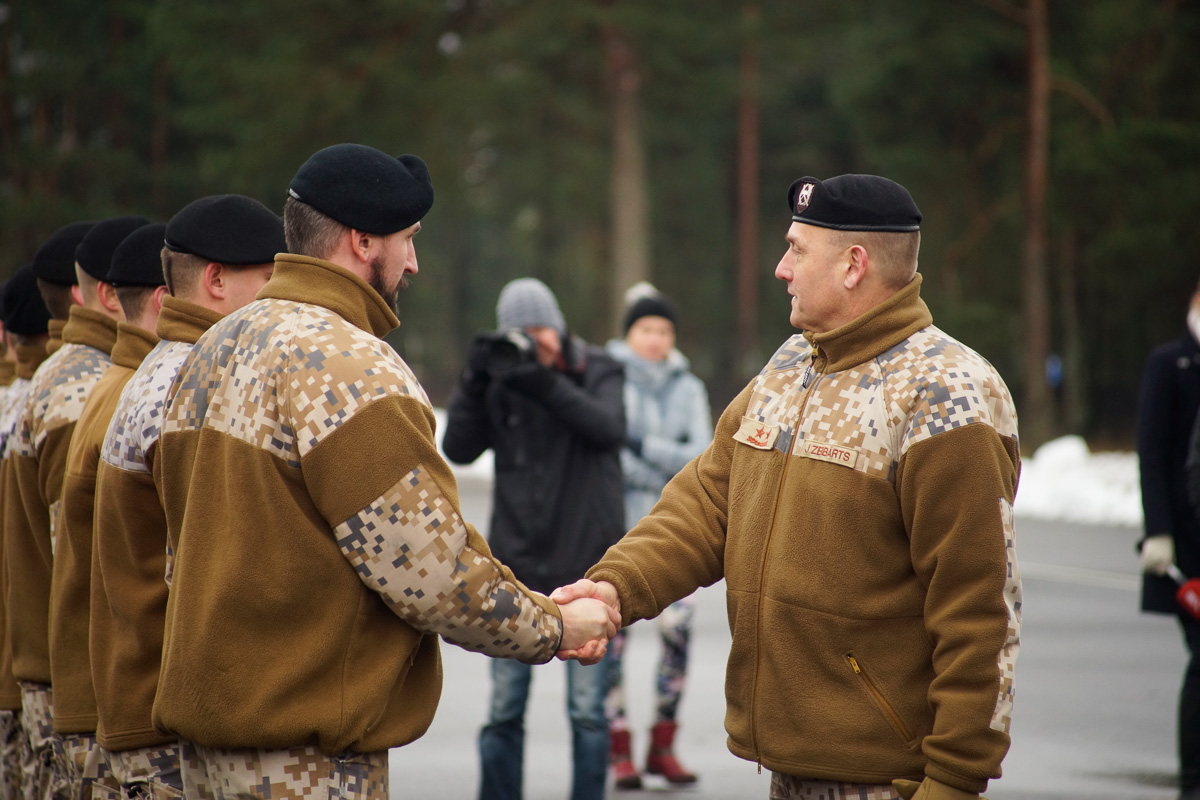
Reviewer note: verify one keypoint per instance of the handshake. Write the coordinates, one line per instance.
(591, 615)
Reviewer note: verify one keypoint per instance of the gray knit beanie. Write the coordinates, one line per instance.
(527, 302)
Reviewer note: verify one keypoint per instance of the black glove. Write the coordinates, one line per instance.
(475, 376)
(531, 379)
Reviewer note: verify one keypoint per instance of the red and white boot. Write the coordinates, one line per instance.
(661, 760)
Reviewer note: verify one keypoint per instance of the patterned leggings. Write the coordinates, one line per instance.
(675, 626)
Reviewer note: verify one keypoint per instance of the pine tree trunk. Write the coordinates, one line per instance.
(630, 226)
(748, 145)
(1036, 417)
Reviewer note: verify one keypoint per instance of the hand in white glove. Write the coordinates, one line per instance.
(1158, 553)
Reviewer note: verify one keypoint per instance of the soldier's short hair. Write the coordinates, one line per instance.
(133, 299)
(308, 231)
(57, 298)
(182, 271)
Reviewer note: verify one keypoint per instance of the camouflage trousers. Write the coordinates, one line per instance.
(211, 773)
(675, 628)
(15, 756)
(81, 764)
(790, 787)
(146, 773)
(43, 781)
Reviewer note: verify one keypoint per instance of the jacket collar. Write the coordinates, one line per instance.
(29, 358)
(184, 321)
(91, 328)
(301, 279)
(133, 345)
(881, 328)
(55, 329)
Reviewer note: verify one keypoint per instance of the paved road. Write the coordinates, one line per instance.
(1095, 700)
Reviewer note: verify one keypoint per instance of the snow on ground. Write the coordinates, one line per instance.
(1061, 481)
(1064, 481)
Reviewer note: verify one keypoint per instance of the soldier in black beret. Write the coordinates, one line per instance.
(136, 275)
(358, 190)
(94, 258)
(218, 251)
(873, 447)
(57, 396)
(54, 267)
(304, 427)
(25, 318)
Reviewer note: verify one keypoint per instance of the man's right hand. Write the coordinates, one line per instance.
(1158, 554)
(588, 624)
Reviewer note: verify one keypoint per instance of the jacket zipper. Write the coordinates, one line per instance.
(762, 578)
(877, 695)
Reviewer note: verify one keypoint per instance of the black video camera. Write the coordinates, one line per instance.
(507, 350)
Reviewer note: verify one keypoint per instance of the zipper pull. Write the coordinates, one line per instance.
(809, 368)
(854, 665)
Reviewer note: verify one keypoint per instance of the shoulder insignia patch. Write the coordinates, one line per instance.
(757, 434)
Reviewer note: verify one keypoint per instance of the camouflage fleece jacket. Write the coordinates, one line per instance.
(857, 499)
(319, 551)
(36, 465)
(71, 581)
(129, 547)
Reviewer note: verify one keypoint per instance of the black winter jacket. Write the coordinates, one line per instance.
(558, 497)
(1170, 398)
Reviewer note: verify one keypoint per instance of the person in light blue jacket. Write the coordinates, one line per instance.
(668, 423)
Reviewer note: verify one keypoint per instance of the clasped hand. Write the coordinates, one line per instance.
(591, 616)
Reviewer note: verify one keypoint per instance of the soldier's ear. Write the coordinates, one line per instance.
(213, 279)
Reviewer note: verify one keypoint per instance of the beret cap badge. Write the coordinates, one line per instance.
(803, 197)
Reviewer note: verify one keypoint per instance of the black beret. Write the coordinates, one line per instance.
(24, 312)
(94, 254)
(228, 229)
(651, 306)
(365, 189)
(137, 261)
(854, 203)
(55, 259)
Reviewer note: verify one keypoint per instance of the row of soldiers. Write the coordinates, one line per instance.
(84, 532)
(229, 543)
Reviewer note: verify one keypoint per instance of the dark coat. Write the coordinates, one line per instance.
(1170, 398)
(558, 497)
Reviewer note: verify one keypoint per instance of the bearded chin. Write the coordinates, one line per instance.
(377, 283)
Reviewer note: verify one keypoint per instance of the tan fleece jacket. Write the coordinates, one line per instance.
(857, 499)
(37, 463)
(129, 549)
(70, 586)
(14, 397)
(318, 547)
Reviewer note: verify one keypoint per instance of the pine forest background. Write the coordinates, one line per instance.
(1053, 146)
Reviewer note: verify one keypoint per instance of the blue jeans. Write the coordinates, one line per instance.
(502, 740)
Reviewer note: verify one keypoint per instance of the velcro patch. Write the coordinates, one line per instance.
(757, 434)
(824, 451)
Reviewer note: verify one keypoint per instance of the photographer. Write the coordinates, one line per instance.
(550, 407)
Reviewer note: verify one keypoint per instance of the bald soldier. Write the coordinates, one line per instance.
(40, 442)
(310, 587)
(857, 500)
(215, 254)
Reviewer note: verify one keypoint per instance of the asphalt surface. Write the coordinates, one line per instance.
(1095, 705)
